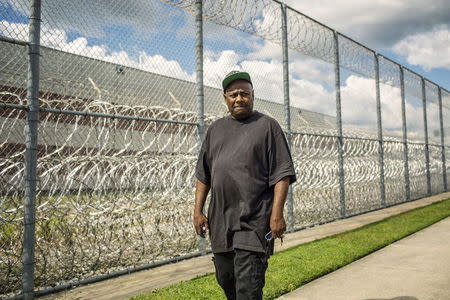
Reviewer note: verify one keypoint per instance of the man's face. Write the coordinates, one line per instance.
(239, 99)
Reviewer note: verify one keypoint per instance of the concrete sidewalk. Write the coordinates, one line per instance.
(137, 283)
(414, 268)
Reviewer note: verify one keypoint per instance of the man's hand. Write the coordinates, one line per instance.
(277, 222)
(278, 226)
(200, 220)
(200, 224)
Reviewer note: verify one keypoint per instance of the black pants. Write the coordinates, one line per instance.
(241, 273)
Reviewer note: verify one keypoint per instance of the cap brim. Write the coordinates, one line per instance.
(242, 75)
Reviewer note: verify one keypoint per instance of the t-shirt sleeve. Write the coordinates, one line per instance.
(280, 160)
(202, 170)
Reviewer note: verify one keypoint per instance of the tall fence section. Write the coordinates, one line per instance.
(103, 106)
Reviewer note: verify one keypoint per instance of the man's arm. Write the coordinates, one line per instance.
(200, 220)
(277, 222)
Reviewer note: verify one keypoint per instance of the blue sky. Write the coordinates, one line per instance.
(439, 75)
(175, 30)
(385, 26)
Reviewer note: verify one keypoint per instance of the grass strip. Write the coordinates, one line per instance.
(296, 266)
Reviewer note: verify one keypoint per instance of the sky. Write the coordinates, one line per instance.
(413, 33)
(157, 37)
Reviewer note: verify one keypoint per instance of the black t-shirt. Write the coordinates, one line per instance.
(242, 160)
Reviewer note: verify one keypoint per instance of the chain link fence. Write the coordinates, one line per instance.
(121, 118)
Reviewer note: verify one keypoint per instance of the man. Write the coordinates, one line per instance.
(246, 163)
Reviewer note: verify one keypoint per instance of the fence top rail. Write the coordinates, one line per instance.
(361, 138)
(13, 41)
(99, 115)
(434, 145)
(112, 116)
(14, 106)
(389, 59)
(304, 15)
(315, 134)
(335, 136)
(384, 140)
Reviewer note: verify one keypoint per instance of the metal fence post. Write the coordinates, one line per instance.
(441, 123)
(380, 131)
(405, 136)
(199, 88)
(425, 126)
(287, 110)
(29, 238)
(337, 76)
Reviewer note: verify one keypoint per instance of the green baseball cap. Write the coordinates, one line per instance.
(235, 75)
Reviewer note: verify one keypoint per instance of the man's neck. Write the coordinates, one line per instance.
(244, 118)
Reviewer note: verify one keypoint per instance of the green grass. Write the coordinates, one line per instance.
(299, 265)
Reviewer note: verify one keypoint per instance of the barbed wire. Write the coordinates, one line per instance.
(111, 192)
(108, 187)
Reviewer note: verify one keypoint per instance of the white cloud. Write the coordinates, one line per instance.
(377, 23)
(266, 74)
(391, 109)
(428, 50)
(265, 50)
(17, 31)
(267, 78)
(160, 65)
(358, 101)
(91, 18)
(359, 108)
(269, 22)
(312, 96)
(217, 65)
(57, 39)
(313, 70)
(310, 79)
